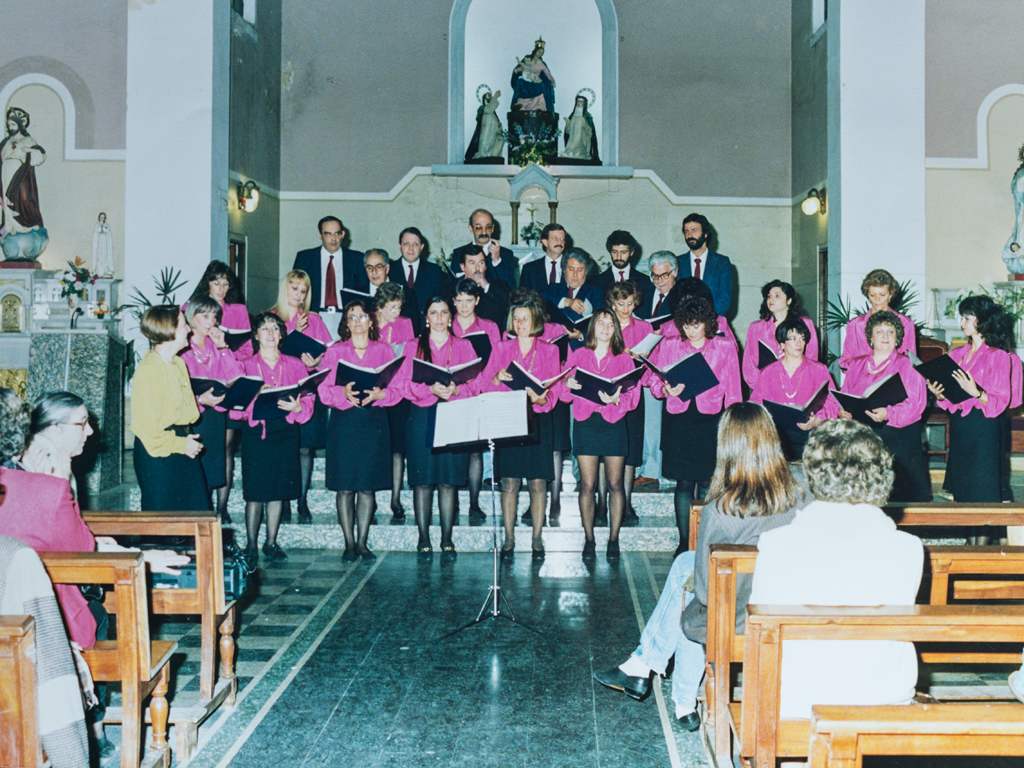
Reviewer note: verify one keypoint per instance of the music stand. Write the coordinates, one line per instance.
(493, 416)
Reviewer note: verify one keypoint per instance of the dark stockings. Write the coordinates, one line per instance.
(423, 504)
(589, 470)
(476, 479)
(254, 517)
(306, 467)
(510, 503)
(224, 492)
(556, 486)
(683, 497)
(397, 473)
(355, 510)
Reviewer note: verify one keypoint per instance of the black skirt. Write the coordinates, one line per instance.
(358, 450)
(532, 459)
(912, 481)
(635, 435)
(313, 434)
(398, 423)
(270, 466)
(211, 428)
(561, 436)
(972, 471)
(596, 437)
(170, 483)
(689, 444)
(428, 465)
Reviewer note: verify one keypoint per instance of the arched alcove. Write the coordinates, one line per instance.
(602, 36)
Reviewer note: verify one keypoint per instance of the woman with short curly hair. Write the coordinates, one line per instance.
(880, 288)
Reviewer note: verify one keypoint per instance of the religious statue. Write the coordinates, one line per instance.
(488, 138)
(1012, 255)
(102, 248)
(22, 234)
(533, 85)
(580, 137)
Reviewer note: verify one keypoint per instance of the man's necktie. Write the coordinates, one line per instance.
(412, 278)
(330, 285)
(622, 275)
(571, 292)
(696, 268)
(657, 307)
(552, 278)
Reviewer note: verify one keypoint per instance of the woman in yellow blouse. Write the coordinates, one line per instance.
(163, 408)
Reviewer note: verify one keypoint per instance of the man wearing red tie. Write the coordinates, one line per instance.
(704, 264)
(331, 267)
(541, 274)
(664, 272)
(622, 247)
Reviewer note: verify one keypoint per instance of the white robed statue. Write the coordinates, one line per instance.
(102, 248)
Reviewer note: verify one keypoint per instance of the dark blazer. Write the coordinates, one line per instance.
(352, 275)
(587, 292)
(431, 280)
(605, 279)
(493, 305)
(646, 312)
(716, 272)
(507, 270)
(534, 274)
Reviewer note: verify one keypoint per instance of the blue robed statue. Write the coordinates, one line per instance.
(533, 86)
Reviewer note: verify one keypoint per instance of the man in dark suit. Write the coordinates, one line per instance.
(540, 274)
(378, 265)
(703, 263)
(576, 297)
(419, 275)
(493, 304)
(326, 269)
(664, 271)
(501, 264)
(622, 247)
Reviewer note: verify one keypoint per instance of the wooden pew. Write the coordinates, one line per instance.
(937, 514)
(141, 665)
(944, 566)
(207, 600)
(19, 729)
(841, 736)
(763, 736)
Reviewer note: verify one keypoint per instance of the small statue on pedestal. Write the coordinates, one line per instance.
(1012, 255)
(580, 137)
(102, 248)
(22, 235)
(488, 138)
(533, 85)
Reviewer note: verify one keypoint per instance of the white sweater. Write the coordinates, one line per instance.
(842, 555)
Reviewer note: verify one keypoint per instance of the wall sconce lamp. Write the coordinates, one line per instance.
(248, 196)
(814, 202)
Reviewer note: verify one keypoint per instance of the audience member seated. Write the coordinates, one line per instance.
(842, 550)
(57, 433)
(752, 491)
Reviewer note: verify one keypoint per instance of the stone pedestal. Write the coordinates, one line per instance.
(89, 363)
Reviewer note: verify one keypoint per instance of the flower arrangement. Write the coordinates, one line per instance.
(528, 146)
(75, 278)
(531, 232)
(102, 310)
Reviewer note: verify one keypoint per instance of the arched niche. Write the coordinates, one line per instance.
(462, 103)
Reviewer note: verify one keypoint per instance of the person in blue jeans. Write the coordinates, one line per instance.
(752, 491)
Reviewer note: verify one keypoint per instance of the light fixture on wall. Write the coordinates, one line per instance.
(814, 202)
(248, 196)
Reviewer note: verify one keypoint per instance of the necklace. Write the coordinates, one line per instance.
(783, 375)
(533, 356)
(197, 353)
(873, 370)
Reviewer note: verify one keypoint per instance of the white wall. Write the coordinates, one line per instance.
(498, 32)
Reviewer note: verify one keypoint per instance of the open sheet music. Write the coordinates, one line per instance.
(491, 416)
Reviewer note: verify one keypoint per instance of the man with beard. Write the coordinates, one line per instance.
(542, 274)
(501, 264)
(622, 247)
(704, 264)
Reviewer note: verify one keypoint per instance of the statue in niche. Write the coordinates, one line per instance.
(1012, 255)
(580, 137)
(102, 248)
(533, 85)
(22, 234)
(488, 138)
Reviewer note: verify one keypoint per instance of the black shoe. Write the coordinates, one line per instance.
(590, 550)
(274, 552)
(613, 550)
(475, 513)
(397, 512)
(286, 512)
(252, 556)
(527, 518)
(507, 555)
(105, 748)
(225, 518)
(690, 722)
(448, 550)
(365, 553)
(349, 556)
(634, 687)
(538, 555)
(631, 519)
(305, 518)
(424, 550)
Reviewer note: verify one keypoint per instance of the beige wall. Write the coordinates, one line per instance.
(71, 192)
(756, 238)
(970, 212)
(259, 230)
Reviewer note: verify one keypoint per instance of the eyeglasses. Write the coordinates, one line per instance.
(659, 276)
(375, 267)
(79, 424)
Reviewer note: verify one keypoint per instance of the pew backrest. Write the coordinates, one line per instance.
(19, 726)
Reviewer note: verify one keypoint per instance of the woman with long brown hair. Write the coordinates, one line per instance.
(751, 491)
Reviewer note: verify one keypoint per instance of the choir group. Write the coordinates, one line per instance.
(355, 363)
